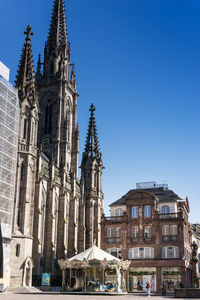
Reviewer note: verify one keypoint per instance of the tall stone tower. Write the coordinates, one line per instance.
(57, 188)
(22, 234)
(91, 181)
(56, 215)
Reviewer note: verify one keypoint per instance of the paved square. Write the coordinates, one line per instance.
(9, 296)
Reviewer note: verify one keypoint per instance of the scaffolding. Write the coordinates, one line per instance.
(9, 128)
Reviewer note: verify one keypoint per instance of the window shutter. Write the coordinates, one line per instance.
(135, 253)
(152, 252)
(164, 252)
(176, 252)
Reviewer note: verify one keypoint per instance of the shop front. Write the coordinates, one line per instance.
(171, 278)
(138, 278)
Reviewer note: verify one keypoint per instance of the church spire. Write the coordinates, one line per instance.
(58, 30)
(92, 143)
(25, 75)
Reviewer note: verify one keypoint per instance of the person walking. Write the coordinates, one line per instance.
(148, 288)
(163, 288)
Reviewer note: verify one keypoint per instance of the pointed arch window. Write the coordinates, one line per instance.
(33, 133)
(18, 250)
(48, 119)
(25, 129)
(52, 68)
(18, 217)
(21, 185)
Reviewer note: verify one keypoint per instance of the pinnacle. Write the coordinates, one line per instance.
(58, 28)
(92, 143)
(25, 75)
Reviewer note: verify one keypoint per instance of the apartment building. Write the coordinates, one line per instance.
(149, 226)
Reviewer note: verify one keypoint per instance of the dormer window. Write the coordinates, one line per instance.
(119, 212)
(165, 210)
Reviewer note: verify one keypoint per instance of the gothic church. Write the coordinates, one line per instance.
(56, 215)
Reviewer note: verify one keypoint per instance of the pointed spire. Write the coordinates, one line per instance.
(92, 143)
(25, 75)
(58, 29)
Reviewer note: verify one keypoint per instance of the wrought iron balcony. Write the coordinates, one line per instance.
(114, 219)
(168, 215)
(113, 240)
(134, 238)
(169, 238)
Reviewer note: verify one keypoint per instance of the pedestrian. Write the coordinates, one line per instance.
(163, 289)
(148, 288)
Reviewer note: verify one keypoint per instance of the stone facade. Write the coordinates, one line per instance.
(150, 227)
(56, 215)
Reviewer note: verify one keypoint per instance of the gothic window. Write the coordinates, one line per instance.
(18, 250)
(25, 129)
(33, 133)
(95, 180)
(18, 217)
(21, 184)
(48, 119)
(52, 69)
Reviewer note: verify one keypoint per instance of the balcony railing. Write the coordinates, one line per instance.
(115, 219)
(134, 238)
(113, 240)
(147, 238)
(168, 215)
(169, 238)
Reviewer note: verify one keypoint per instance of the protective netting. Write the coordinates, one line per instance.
(9, 123)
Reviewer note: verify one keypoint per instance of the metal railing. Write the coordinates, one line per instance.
(169, 238)
(114, 219)
(168, 215)
(113, 240)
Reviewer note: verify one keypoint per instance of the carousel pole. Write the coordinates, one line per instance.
(70, 275)
(63, 279)
(85, 279)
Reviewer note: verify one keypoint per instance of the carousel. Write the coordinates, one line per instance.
(94, 270)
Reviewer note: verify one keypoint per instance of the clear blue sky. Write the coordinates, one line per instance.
(139, 62)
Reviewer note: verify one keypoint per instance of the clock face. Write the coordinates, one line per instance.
(45, 143)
